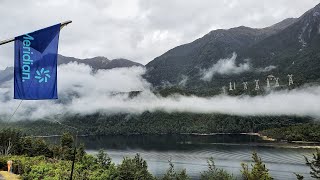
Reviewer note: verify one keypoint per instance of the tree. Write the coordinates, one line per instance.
(172, 175)
(66, 143)
(27, 147)
(10, 141)
(103, 159)
(214, 173)
(40, 147)
(134, 169)
(80, 152)
(66, 140)
(314, 164)
(183, 175)
(258, 172)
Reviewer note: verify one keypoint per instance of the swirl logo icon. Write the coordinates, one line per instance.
(42, 75)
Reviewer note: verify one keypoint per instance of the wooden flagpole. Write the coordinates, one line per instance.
(12, 39)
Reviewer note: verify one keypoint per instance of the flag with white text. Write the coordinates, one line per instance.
(35, 64)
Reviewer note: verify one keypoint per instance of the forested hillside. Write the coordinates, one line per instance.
(155, 123)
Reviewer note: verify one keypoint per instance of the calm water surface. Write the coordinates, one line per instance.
(191, 152)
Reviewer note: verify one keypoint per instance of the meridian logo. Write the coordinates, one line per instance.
(42, 75)
(26, 57)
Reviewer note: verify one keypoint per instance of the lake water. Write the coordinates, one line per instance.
(191, 152)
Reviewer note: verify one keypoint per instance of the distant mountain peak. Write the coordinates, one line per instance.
(121, 62)
(99, 62)
(98, 58)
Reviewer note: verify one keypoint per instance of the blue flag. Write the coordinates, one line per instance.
(35, 64)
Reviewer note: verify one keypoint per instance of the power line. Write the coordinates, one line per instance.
(15, 111)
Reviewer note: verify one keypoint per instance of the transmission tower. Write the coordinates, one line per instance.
(290, 79)
(277, 82)
(230, 86)
(257, 85)
(245, 85)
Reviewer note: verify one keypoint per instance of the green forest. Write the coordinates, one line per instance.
(302, 132)
(303, 128)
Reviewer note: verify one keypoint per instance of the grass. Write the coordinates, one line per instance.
(10, 176)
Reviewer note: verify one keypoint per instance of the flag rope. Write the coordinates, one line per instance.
(15, 111)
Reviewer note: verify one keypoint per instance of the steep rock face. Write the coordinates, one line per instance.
(294, 50)
(189, 59)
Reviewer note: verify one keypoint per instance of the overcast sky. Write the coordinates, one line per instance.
(139, 30)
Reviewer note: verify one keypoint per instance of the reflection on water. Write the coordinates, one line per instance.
(191, 152)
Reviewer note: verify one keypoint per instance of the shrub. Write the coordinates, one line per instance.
(134, 169)
(171, 174)
(258, 172)
(214, 173)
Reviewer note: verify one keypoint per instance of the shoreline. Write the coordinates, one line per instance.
(271, 142)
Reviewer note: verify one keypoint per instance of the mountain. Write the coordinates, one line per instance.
(294, 50)
(291, 46)
(96, 63)
(116, 63)
(189, 59)
(99, 62)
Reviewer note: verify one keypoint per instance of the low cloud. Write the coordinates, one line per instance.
(84, 92)
(184, 80)
(228, 66)
(267, 69)
(225, 66)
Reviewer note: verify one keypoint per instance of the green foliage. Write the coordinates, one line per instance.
(38, 167)
(41, 148)
(171, 174)
(10, 140)
(302, 132)
(66, 140)
(214, 173)
(27, 144)
(258, 172)
(80, 152)
(47, 170)
(103, 159)
(134, 169)
(314, 164)
(66, 143)
(160, 123)
(41, 161)
(34, 147)
(88, 168)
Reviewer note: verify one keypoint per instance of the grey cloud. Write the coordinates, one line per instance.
(225, 66)
(99, 92)
(136, 29)
(229, 66)
(267, 69)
